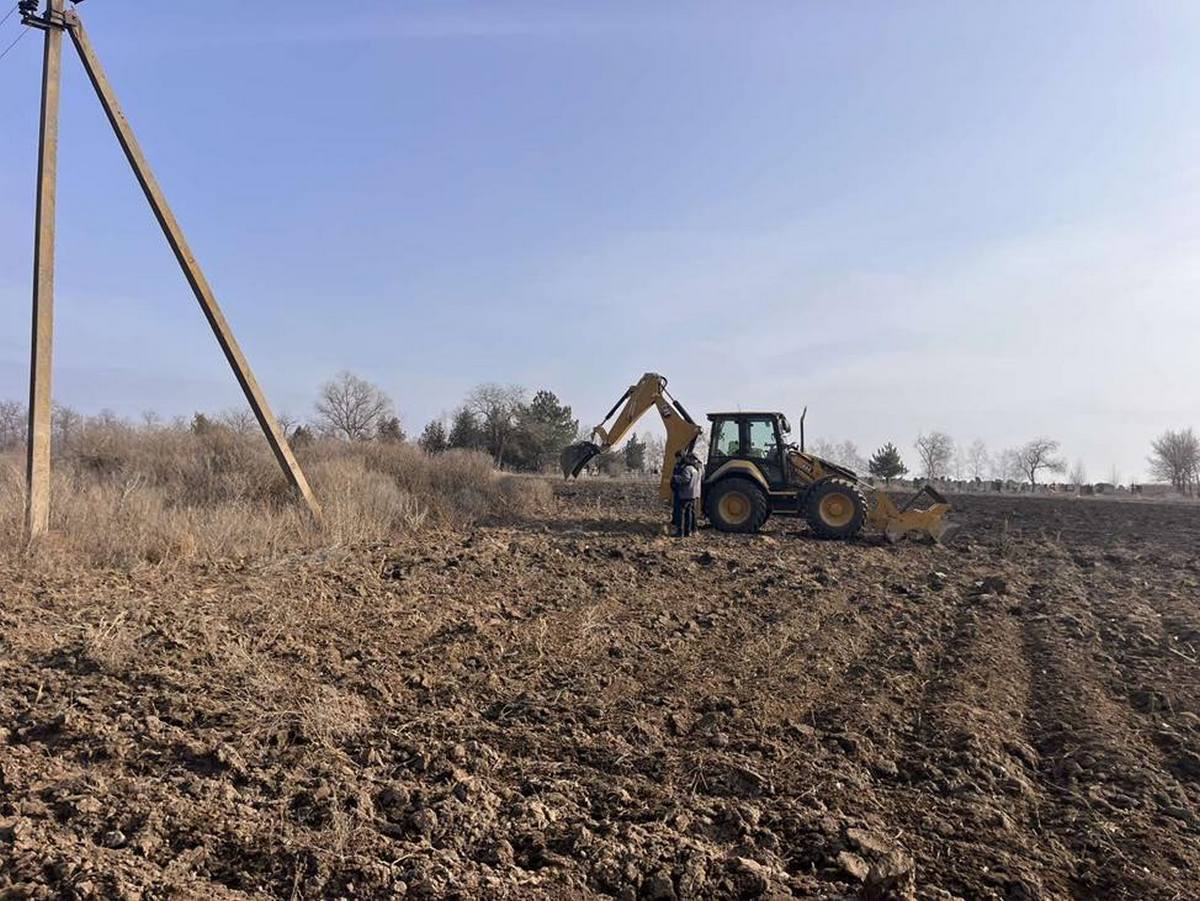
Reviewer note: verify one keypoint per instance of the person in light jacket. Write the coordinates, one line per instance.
(692, 472)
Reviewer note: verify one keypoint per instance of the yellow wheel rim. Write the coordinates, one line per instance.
(735, 508)
(836, 510)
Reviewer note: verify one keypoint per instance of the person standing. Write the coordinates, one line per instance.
(679, 481)
(689, 494)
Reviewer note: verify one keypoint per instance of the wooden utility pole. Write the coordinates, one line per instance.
(187, 262)
(37, 469)
(39, 432)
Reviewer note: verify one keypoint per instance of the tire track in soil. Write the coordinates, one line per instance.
(712, 639)
(1146, 630)
(1108, 781)
(702, 661)
(827, 624)
(824, 639)
(966, 794)
(853, 725)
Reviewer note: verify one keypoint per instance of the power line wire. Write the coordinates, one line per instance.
(14, 43)
(9, 15)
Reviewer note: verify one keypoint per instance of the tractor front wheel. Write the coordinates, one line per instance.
(737, 505)
(835, 509)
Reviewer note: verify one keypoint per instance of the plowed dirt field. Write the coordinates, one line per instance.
(580, 707)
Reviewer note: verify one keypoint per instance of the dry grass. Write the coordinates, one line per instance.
(125, 497)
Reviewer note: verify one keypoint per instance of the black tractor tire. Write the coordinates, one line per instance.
(737, 505)
(835, 509)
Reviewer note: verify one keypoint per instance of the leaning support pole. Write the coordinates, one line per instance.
(187, 261)
(37, 470)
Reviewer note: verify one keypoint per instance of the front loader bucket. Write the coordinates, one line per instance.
(576, 456)
(931, 522)
(897, 522)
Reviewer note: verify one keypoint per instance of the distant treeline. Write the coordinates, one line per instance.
(525, 432)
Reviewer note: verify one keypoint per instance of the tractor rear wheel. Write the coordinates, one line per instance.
(835, 509)
(737, 505)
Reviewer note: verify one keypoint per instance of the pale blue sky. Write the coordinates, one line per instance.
(977, 217)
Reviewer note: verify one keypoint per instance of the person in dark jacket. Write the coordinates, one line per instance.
(679, 479)
(691, 476)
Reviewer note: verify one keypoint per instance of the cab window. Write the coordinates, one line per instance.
(725, 439)
(762, 439)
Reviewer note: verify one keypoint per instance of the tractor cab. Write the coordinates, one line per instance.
(739, 441)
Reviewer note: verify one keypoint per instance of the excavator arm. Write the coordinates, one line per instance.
(650, 391)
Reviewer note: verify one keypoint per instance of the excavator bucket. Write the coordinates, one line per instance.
(576, 456)
(898, 522)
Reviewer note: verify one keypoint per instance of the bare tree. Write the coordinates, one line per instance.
(843, 453)
(351, 407)
(1001, 465)
(1078, 474)
(823, 448)
(960, 466)
(65, 426)
(12, 424)
(239, 420)
(656, 447)
(495, 408)
(848, 455)
(1175, 458)
(978, 460)
(1007, 465)
(935, 452)
(1036, 455)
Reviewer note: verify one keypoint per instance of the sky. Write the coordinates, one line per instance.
(979, 218)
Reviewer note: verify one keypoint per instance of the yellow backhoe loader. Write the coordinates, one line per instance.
(753, 472)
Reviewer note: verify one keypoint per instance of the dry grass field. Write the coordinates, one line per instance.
(467, 685)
